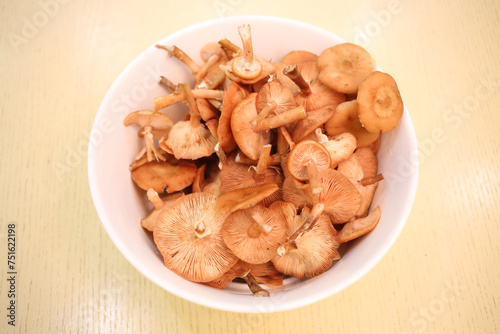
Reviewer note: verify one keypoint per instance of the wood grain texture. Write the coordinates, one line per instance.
(442, 275)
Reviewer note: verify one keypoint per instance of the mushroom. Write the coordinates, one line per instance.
(159, 203)
(379, 102)
(340, 146)
(305, 161)
(207, 111)
(345, 119)
(189, 238)
(252, 274)
(314, 119)
(210, 184)
(254, 234)
(174, 51)
(233, 95)
(154, 125)
(344, 66)
(243, 198)
(298, 56)
(249, 141)
(247, 68)
(365, 179)
(314, 252)
(359, 227)
(190, 139)
(275, 98)
(339, 196)
(177, 96)
(236, 175)
(164, 176)
(313, 93)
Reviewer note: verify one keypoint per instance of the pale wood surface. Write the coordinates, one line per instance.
(441, 276)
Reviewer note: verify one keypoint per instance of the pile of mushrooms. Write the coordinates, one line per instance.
(274, 166)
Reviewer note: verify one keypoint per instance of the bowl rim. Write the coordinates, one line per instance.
(226, 305)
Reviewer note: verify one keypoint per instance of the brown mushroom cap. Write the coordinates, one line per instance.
(189, 237)
(360, 226)
(340, 147)
(160, 123)
(248, 141)
(380, 103)
(254, 234)
(275, 92)
(345, 119)
(314, 252)
(314, 119)
(305, 152)
(298, 56)
(245, 197)
(165, 176)
(159, 204)
(320, 95)
(343, 67)
(236, 175)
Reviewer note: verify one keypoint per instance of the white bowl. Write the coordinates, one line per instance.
(120, 205)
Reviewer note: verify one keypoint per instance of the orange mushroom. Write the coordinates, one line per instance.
(359, 227)
(298, 56)
(243, 198)
(159, 203)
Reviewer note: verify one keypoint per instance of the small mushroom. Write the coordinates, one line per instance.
(189, 238)
(190, 139)
(314, 119)
(379, 102)
(345, 119)
(154, 125)
(236, 175)
(359, 227)
(254, 234)
(233, 95)
(298, 56)
(159, 203)
(344, 66)
(274, 98)
(249, 141)
(243, 198)
(247, 68)
(164, 176)
(305, 161)
(174, 51)
(340, 146)
(313, 93)
(313, 253)
(177, 96)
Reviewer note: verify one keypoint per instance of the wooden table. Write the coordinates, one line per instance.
(58, 59)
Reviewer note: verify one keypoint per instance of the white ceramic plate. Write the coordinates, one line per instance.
(120, 205)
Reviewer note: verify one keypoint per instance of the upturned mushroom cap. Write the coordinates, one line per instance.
(380, 104)
(305, 152)
(343, 67)
(159, 204)
(254, 234)
(243, 198)
(340, 197)
(189, 237)
(298, 56)
(165, 176)
(236, 175)
(249, 141)
(160, 123)
(345, 119)
(360, 226)
(233, 95)
(320, 94)
(340, 147)
(314, 251)
(275, 92)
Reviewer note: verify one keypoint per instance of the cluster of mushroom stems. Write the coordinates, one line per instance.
(273, 169)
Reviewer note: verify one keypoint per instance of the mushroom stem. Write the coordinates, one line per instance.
(259, 226)
(278, 120)
(200, 229)
(264, 157)
(170, 99)
(264, 112)
(227, 44)
(273, 160)
(254, 286)
(306, 227)
(193, 107)
(205, 67)
(287, 136)
(371, 180)
(322, 138)
(155, 199)
(221, 154)
(314, 180)
(167, 83)
(181, 55)
(246, 39)
(150, 145)
(293, 73)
